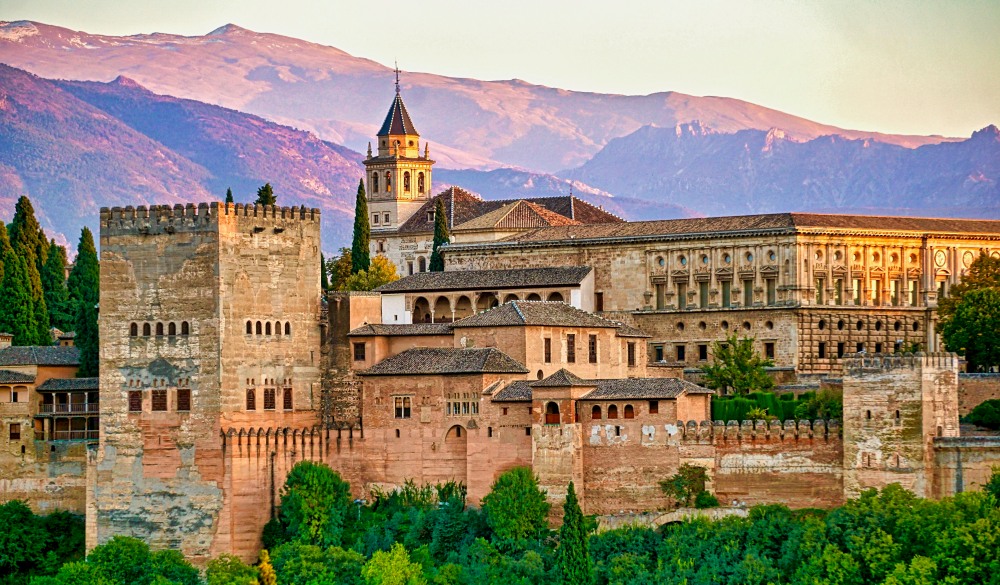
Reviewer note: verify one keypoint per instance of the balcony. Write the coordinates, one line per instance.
(77, 408)
(75, 435)
(14, 408)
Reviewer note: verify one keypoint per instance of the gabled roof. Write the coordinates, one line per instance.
(489, 279)
(521, 214)
(548, 313)
(450, 360)
(517, 391)
(397, 121)
(629, 331)
(643, 389)
(389, 330)
(464, 206)
(66, 384)
(39, 355)
(561, 379)
(12, 377)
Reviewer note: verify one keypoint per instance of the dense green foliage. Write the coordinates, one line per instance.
(986, 415)
(61, 313)
(266, 196)
(380, 271)
(573, 553)
(339, 269)
(29, 242)
(737, 367)
(229, 195)
(126, 561)
(969, 317)
(825, 404)
(516, 510)
(360, 253)
(229, 570)
(84, 291)
(17, 311)
(686, 486)
(316, 505)
(324, 279)
(36, 545)
(441, 236)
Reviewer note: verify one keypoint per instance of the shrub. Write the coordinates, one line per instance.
(986, 415)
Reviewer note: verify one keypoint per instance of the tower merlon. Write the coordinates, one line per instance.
(168, 219)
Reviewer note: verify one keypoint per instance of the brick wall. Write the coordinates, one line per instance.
(974, 389)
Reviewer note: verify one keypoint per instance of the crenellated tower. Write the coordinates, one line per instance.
(398, 176)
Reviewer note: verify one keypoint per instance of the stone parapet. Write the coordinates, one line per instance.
(191, 217)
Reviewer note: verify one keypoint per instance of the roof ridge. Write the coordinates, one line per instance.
(518, 310)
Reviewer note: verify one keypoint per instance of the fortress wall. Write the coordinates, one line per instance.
(964, 464)
(974, 389)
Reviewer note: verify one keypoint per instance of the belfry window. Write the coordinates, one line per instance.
(406, 181)
(374, 182)
(388, 181)
(420, 182)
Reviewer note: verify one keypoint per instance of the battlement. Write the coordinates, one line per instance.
(860, 364)
(758, 430)
(191, 217)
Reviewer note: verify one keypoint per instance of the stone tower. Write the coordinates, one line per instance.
(399, 177)
(894, 407)
(209, 324)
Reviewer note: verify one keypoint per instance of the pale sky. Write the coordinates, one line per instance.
(915, 67)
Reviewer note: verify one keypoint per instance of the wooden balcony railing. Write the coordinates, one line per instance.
(77, 408)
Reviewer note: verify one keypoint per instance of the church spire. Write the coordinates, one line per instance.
(397, 77)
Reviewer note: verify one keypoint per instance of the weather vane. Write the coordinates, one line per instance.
(397, 76)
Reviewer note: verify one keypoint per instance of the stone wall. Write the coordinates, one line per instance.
(964, 464)
(974, 389)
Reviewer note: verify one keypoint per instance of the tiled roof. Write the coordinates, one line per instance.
(521, 313)
(561, 379)
(518, 391)
(12, 377)
(369, 329)
(429, 361)
(788, 222)
(629, 331)
(643, 388)
(462, 207)
(488, 279)
(67, 384)
(397, 121)
(521, 214)
(39, 355)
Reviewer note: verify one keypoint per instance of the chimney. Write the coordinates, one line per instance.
(6, 339)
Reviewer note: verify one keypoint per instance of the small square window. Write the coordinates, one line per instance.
(184, 399)
(657, 353)
(402, 406)
(385, 219)
(702, 353)
(359, 352)
(527, 431)
(15, 431)
(654, 407)
(504, 411)
(375, 218)
(680, 353)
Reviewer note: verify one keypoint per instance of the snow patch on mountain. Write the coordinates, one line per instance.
(17, 30)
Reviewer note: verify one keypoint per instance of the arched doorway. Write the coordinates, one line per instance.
(555, 297)
(552, 413)
(421, 310)
(442, 310)
(455, 456)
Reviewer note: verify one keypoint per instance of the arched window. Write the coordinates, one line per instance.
(595, 413)
(612, 411)
(133, 330)
(267, 328)
(420, 182)
(249, 328)
(552, 413)
(374, 182)
(388, 181)
(185, 328)
(145, 329)
(159, 329)
(260, 328)
(406, 181)
(172, 329)
(277, 327)
(629, 411)
(288, 328)
(251, 399)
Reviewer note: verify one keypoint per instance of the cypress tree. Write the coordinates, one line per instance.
(229, 195)
(28, 241)
(573, 553)
(17, 312)
(360, 255)
(324, 280)
(61, 314)
(440, 236)
(84, 280)
(266, 196)
(87, 340)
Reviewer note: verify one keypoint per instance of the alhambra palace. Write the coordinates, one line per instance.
(559, 336)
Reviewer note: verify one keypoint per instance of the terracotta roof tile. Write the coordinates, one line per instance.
(518, 391)
(12, 377)
(488, 279)
(521, 313)
(434, 361)
(561, 379)
(66, 384)
(39, 355)
(643, 389)
(390, 330)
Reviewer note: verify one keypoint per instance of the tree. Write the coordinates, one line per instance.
(339, 269)
(324, 280)
(973, 329)
(573, 554)
(316, 504)
(392, 568)
(22, 540)
(17, 311)
(229, 195)
(360, 253)
(986, 414)
(266, 574)
(84, 279)
(381, 271)
(230, 570)
(61, 314)
(516, 510)
(123, 559)
(266, 196)
(992, 486)
(737, 367)
(441, 236)
(87, 340)
(984, 272)
(29, 242)
(685, 485)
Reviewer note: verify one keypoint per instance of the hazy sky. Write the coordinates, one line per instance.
(919, 66)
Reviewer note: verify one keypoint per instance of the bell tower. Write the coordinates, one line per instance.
(398, 176)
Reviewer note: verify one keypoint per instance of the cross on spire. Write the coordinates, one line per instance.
(397, 77)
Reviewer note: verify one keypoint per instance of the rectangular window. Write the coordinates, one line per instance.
(375, 217)
(654, 407)
(134, 401)
(682, 295)
(913, 293)
(571, 348)
(385, 219)
(942, 289)
(875, 293)
(856, 291)
(548, 350)
(820, 286)
(703, 294)
(15, 431)
(658, 353)
(727, 294)
(861, 347)
(838, 291)
(402, 406)
(592, 349)
(251, 399)
(184, 399)
(822, 349)
(748, 293)
(769, 350)
(894, 292)
(269, 400)
(159, 400)
(661, 297)
(680, 353)
(878, 347)
(840, 349)
(630, 349)
(286, 400)
(598, 302)
(772, 291)
(702, 353)
(504, 410)
(527, 431)
(359, 352)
